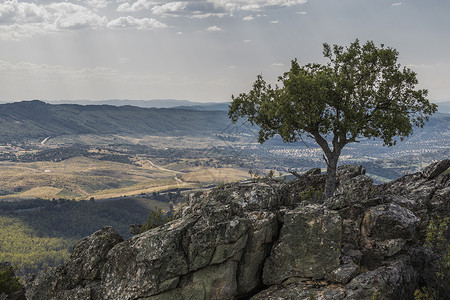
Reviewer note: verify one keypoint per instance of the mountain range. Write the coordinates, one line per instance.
(36, 119)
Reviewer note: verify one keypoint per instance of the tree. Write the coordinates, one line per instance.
(360, 92)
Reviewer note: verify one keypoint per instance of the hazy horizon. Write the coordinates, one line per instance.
(201, 51)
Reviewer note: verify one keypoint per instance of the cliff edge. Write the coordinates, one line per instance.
(269, 240)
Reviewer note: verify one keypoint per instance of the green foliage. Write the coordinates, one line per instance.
(311, 194)
(360, 92)
(156, 219)
(9, 282)
(27, 249)
(375, 295)
(36, 234)
(425, 294)
(437, 240)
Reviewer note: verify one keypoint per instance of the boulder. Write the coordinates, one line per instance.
(386, 228)
(346, 172)
(397, 280)
(308, 246)
(299, 289)
(436, 168)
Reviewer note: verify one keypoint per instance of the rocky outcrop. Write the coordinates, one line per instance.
(267, 240)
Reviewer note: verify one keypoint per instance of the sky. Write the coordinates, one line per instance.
(198, 50)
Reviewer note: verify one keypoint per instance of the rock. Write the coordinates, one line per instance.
(314, 171)
(267, 240)
(343, 273)
(262, 234)
(83, 268)
(302, 290)
(436, 169)
(395, 281)
(386, 228)
(309, 245)
(346, 172)
(354, 191)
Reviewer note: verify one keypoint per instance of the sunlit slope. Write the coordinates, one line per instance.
(82, 178)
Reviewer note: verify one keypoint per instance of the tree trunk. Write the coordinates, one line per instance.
(330, 183)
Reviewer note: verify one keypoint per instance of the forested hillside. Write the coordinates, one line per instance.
(35, 234)
(36, 119)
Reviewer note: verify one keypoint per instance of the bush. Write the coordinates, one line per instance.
(437, 242)
(9, 282)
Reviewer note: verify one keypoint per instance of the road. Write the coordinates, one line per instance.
(175, 173)
(43, 142)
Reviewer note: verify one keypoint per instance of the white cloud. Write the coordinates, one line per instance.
(274, 22)
(397, 3)
(168, 8)
(277, 65)
(19, 20)
(97, 3)
(202, 8)
(131, 22)
(136, 6)
(248, 18)
(257, 5)
(301, 13)
(214, 28)
(67, 16)
(246, 41)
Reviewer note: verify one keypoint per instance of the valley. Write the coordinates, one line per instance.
(67, 171)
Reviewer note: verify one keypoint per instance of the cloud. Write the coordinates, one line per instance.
(246, 41)
(277, 65)
(97, 3)
(257, 5)
(397, 3)
(248, 18)
(169, 8)
(214, 28)
(301, 13)
(203, 8)
(136, 6)
(131, 22)
(19, 20)
(274, 22)
(68, 16)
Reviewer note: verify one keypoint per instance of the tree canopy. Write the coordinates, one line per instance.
(362, 91)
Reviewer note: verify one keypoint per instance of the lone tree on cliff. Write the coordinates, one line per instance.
(361, 92)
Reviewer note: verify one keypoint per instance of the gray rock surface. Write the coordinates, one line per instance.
(268, 240)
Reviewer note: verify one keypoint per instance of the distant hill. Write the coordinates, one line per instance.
(156, 103)
(36, 119)
(444, 106)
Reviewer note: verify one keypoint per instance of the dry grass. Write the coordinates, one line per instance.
(81, 178)
(215, 175)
